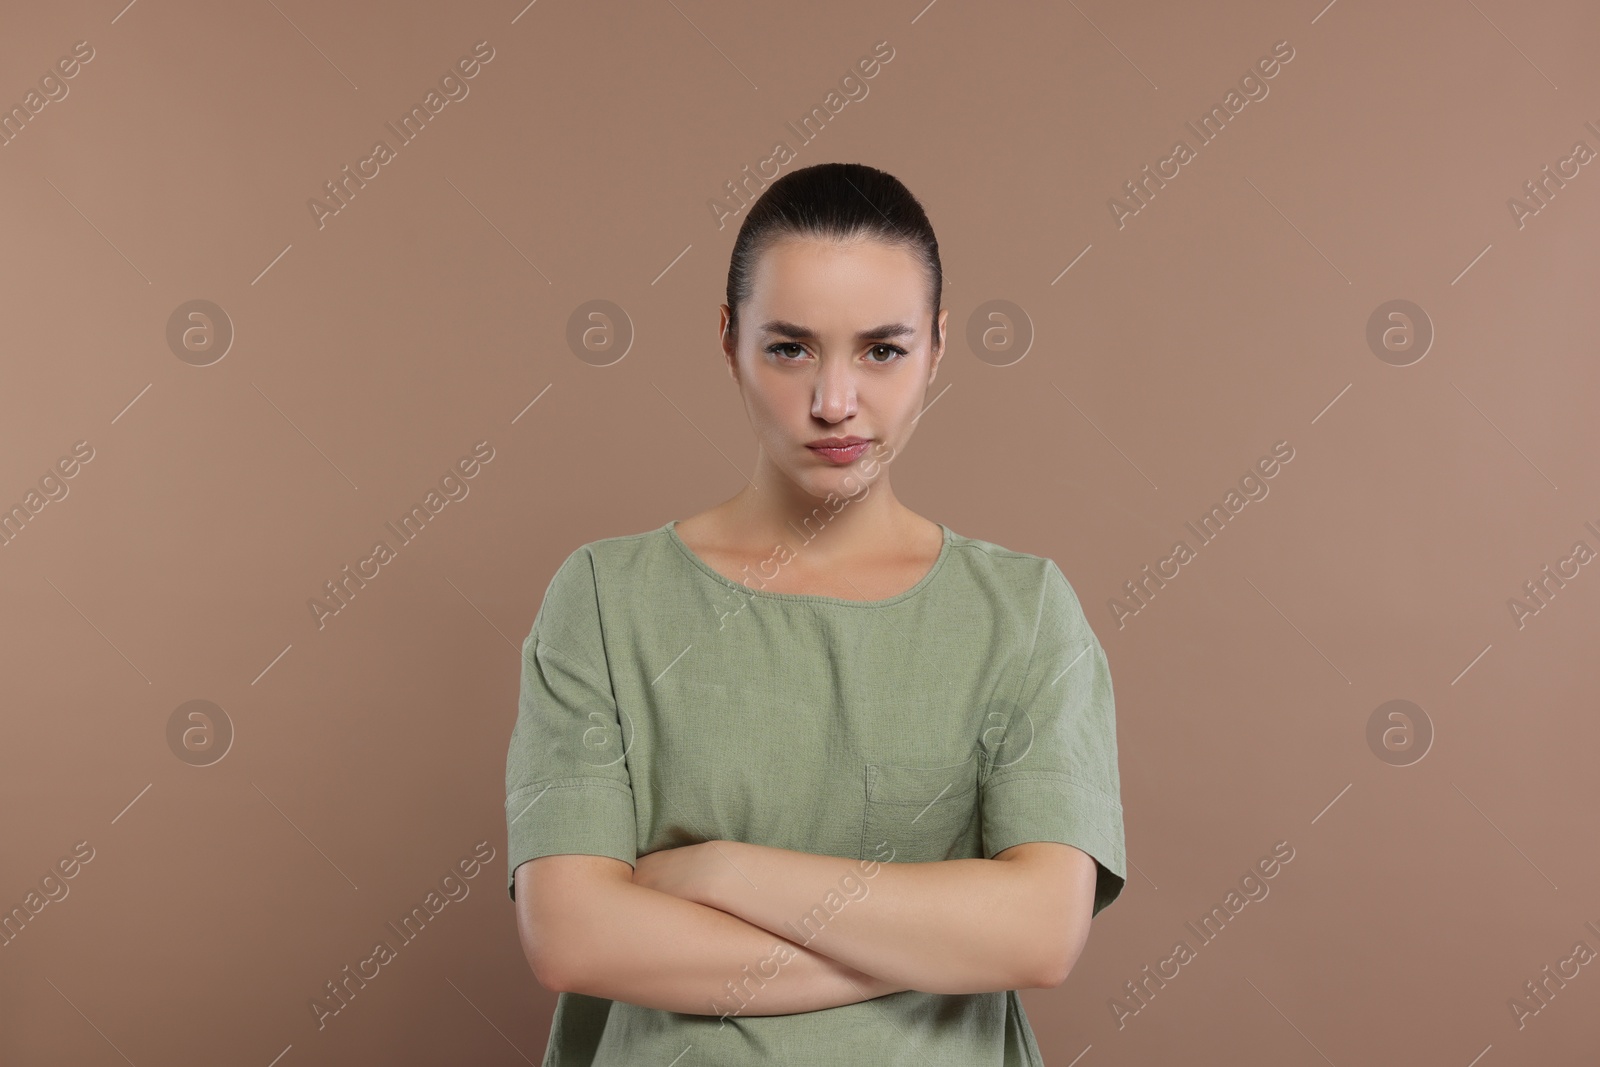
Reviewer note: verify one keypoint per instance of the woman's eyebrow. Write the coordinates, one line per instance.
(802, 333)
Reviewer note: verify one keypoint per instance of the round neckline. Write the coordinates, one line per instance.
(948, 536)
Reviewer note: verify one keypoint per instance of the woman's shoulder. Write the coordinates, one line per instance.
(580, 579)
(991, 554)
(1026, 574)
(615, 549)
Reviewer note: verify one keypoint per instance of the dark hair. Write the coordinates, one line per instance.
(842, 201)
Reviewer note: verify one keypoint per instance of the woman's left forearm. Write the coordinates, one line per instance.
(955, 926)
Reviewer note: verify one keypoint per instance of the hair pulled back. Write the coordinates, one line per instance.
(839, 201)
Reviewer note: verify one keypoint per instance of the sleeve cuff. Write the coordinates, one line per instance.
(1040, 807)
(583, 816)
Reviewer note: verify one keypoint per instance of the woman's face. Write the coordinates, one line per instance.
(834, 341)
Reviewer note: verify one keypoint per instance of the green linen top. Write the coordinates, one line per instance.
(663, 703)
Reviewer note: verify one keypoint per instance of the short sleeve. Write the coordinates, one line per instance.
(1053, 776)
(568, 789)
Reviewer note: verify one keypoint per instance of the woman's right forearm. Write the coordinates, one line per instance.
(645, 947)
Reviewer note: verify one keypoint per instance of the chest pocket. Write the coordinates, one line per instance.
(921, 814)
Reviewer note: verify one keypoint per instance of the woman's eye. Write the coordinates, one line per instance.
(791, 351)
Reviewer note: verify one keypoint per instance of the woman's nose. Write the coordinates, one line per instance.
(834, 395)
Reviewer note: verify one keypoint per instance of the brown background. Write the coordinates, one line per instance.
(372, 352)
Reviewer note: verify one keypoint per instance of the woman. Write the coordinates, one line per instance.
(808, 778)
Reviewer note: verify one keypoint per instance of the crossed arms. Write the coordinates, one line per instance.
(727, 927)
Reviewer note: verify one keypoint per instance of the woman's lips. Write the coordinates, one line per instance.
(841, 456)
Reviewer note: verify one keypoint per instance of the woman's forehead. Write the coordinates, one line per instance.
(855, 286)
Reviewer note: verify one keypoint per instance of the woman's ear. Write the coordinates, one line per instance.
(728, 341)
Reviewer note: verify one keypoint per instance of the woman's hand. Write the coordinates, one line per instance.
(685, 871)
